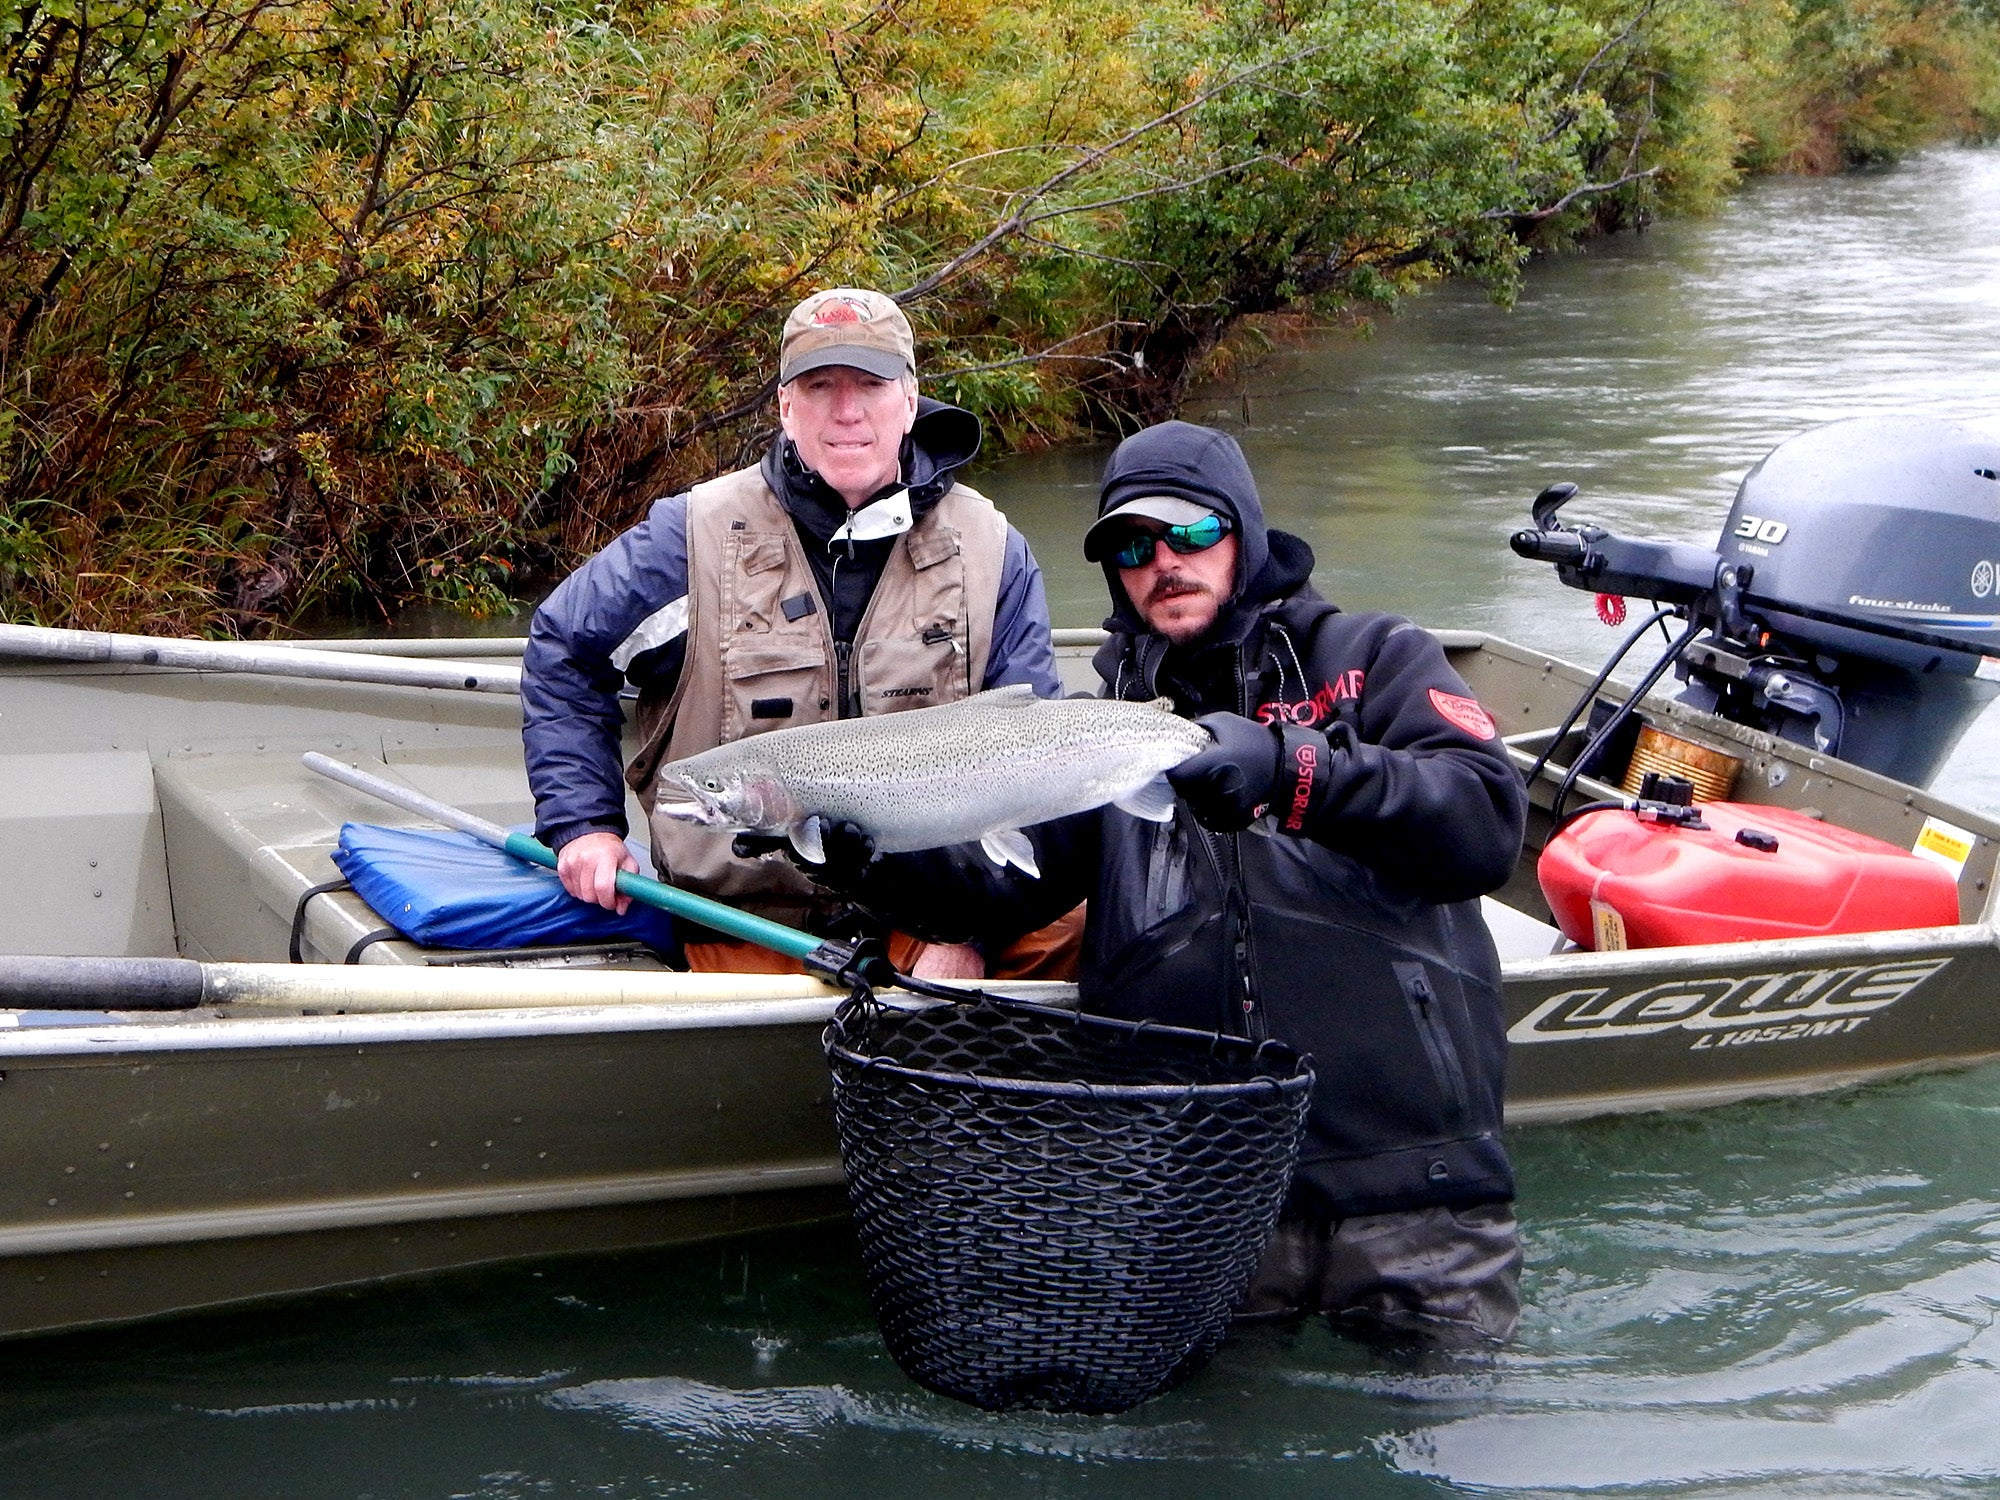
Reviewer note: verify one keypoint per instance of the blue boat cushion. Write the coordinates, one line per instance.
(448, 890)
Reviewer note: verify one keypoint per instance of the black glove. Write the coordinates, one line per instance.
(1225, 784)
(848, 847)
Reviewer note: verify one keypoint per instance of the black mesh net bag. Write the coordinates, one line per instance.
(1058, 1211)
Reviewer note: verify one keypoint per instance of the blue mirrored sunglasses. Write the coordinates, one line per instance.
(1196, 536)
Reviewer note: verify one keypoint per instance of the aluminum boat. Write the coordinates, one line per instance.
(327, 1123)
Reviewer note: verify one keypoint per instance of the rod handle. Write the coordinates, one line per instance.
(657, 893)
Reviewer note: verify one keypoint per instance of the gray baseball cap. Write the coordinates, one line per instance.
(847, 326)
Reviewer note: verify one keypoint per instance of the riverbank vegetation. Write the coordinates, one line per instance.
(357, 303)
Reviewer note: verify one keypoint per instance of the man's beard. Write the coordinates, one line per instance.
(1178, 586)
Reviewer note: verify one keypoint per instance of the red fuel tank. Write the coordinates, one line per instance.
(1614, 881)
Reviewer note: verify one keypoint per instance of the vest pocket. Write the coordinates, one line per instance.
(744, 659)
(759, 552)
(913, 671)
(769, 674)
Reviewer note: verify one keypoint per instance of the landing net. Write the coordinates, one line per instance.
(1058, 1211)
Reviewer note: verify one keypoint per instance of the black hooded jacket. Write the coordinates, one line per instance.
(1357, 936)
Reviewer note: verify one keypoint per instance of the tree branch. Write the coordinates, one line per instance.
(1021, 218)
(1120, 361)
(1538, 215)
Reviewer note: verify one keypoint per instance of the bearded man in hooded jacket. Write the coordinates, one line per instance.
(1318, 884)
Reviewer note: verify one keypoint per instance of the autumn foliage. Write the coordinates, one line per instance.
(354, 303)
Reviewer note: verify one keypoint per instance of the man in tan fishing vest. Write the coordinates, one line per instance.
(848, 573)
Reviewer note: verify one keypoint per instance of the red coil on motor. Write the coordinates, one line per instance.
(1611, 609)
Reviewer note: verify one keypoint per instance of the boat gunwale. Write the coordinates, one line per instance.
(1582, 964)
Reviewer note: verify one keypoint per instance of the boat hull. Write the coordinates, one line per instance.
(321, 1125)
(165, 1166)
(1691, 1027)
(171, 1166)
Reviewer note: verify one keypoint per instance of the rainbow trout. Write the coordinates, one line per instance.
(982, 768)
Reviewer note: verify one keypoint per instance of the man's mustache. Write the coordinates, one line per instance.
(1173, 585)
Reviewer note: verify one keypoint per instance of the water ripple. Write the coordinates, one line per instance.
(1900, 1383)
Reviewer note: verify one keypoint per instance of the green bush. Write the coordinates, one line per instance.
(358, 303)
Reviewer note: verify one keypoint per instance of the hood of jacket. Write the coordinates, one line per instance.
(942, 440)
(1206, 466)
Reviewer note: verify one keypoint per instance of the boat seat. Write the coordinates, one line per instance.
(249, 834)
(1518, 935)
(82, 869)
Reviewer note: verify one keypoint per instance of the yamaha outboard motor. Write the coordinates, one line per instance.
(1851, 603)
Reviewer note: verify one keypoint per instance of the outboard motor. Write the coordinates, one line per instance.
(1851, 604)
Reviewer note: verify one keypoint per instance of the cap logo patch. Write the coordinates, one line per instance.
(1464, 713)
(836, 312)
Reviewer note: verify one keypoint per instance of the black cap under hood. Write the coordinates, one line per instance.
(1206, 466)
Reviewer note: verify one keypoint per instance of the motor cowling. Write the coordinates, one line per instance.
(1853, 598)
(1870, 548)
(1884, 522)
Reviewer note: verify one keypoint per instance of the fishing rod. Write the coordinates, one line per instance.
(855, 965)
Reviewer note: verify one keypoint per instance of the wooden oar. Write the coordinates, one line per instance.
(36, 982)
(847, 963)
(34, 643)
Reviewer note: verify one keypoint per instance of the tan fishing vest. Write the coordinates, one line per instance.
(760, 655)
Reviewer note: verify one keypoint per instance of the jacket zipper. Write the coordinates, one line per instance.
(1239, 1008)
(1253, 1018)
(841, 649)
(1436, 1037)
(1225, 856)
(843, 652)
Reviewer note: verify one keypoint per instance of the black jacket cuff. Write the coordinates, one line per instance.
(1305, 771)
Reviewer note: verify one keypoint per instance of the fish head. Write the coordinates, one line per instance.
(747, 798)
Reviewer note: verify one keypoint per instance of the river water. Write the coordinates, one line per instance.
(1774, 1300)
(1652, 370)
